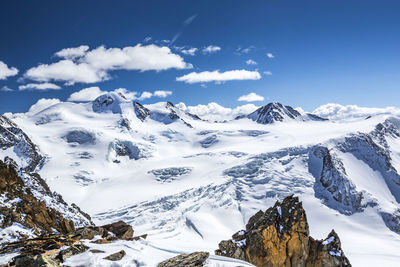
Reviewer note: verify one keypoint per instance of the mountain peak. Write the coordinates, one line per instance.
(276, 112)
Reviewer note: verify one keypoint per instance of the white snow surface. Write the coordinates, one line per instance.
(244, 168)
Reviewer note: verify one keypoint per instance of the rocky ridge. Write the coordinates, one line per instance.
(276, 112)
(280, 237)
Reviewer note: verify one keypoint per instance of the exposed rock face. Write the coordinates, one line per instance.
(12, 137)
(280, 237)
(141, 112)
(195, 259)
(22, 201)
(274, 112)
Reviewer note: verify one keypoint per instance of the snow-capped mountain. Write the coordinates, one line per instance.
(190, 183)
(276, 112)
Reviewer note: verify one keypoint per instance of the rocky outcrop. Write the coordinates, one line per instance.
(12, 137)
(280, 237)
(21, 206)
(54, 249)
(195, 259)
(27, 201)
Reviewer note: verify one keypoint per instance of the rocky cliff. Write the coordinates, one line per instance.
(280, 237)
(27, 203)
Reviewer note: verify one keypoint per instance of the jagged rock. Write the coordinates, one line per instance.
(195, 259)
(280, 237)
(43, 251)
(120, 229)
(116, 256)
(20, 205)
(141, 112)
(274, 112)
(12, 136)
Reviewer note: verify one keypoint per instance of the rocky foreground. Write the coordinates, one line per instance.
(53, 250)
(277, 237)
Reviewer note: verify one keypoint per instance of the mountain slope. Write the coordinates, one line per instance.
(190, 188)
(276, 112)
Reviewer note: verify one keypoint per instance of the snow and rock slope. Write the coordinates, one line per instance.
(276, 112)
(190, 183)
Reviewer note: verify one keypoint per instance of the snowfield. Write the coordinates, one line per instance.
(190, 183)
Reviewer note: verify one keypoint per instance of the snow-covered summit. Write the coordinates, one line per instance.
(276, 112)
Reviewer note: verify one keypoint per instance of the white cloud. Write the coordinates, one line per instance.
(142, 58)
(267, 72)
(145, 95)
(252, 97)
(215, 112)
(130, 95)
(93, 65)
(339, 112)
(91, 93)
(251, 62)
(190, 51)
(86, 94)
(216, 76)
(42, 104)
(211, 49)
(6, 89)
(162, 93)
(67, 71)
(147, 39)
(73, 52)
(39, 86)
(270, 55)
(240, 51)
(6, 72)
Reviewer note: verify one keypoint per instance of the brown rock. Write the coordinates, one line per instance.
(120, 229)
(116, 256)
(280, 237)
(196, 259)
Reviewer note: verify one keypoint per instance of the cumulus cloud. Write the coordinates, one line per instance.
(73, 52)
(270, 55)
(39, 86)
(339, 112)
(252, 97)
(218, 77)
(86, 94)
(42, 104)
(141, 58)
(67, 71)
(215, 112)
(6, 89)
(6, 72)
(211, 49)
(90, 66)
(162, 93)
(251, 62)
(190, 51)
(145, 95)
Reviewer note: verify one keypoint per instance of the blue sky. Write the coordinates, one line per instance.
(344, 52)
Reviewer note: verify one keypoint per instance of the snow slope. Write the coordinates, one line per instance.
(190, 183)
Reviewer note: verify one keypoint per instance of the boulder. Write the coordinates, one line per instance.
(116, 256)
(195, 259)
(280, 237)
